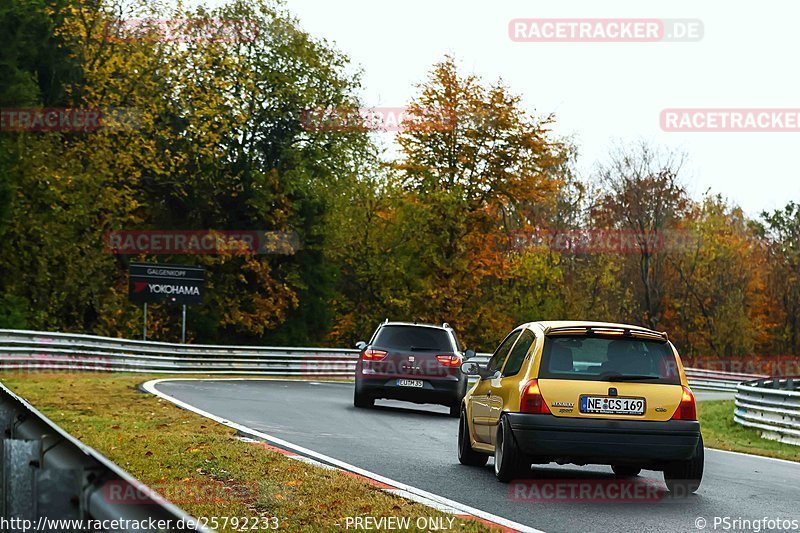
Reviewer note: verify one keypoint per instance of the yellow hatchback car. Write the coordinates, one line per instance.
(583, 393)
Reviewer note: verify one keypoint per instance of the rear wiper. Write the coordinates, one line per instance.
(422, 349)
(611, 376)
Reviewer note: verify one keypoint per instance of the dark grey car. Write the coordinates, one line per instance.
(418, 363)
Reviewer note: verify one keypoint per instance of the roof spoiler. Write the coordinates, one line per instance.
(590, 331)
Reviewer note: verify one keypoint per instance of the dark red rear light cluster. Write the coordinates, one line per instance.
(449, 360)
(373, 355)
(532, 400)
(687, 410)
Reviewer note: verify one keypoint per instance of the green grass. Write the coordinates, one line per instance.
(177, 452)
(720, 431)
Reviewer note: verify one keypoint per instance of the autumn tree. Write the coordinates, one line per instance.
(35, 69)
(472, 160)
(782, 241)
(215, 136)
(217, 142)
(643, 199)
(370, 248)
(717, 305)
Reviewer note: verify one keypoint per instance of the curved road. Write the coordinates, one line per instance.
(416, 445)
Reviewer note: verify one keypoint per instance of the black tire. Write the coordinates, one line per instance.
(625, 470)
(455, 409)
(509, 461)
(466, 455)
(684, 477)
(362, 401)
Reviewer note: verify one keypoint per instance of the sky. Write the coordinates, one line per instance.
(603, 94)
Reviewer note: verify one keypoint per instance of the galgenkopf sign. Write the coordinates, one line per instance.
(151, 283)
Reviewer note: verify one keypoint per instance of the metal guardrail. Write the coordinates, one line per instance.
(36, 350)
(715, 380)
(772, 406)
(46, 475)
(20, 350)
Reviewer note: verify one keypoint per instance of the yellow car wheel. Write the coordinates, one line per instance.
(509, 461)
(466, 455)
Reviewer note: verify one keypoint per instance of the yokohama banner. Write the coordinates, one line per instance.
(165, 283)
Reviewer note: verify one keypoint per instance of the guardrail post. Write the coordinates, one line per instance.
(59, 484)
(183, 326)
(19, 478)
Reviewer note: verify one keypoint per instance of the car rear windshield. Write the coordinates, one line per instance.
(595, 358)
(413, 338)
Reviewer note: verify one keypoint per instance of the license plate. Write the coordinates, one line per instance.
(611, 405)
(409, 383)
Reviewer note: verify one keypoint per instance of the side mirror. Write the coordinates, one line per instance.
(361, 345)
(469, 354)
(471, 369)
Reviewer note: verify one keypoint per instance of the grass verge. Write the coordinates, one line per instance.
(200, 465)
(720, 431)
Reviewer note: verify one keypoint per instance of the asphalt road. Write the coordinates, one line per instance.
(416, 445)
